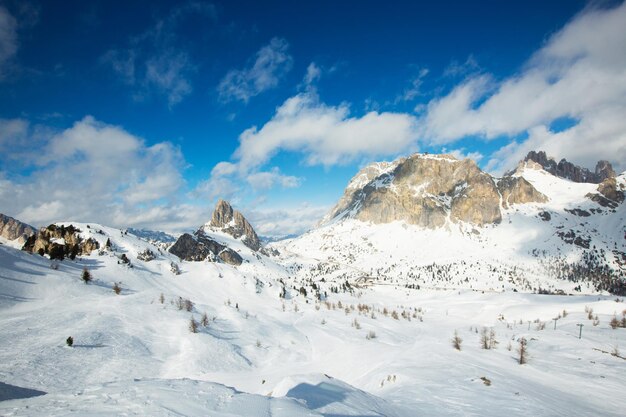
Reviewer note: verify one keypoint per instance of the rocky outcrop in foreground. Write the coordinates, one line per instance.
(12, 229)
(235, 224)
(428, 190)
(200, 246)
(59, 242)
(567, 170)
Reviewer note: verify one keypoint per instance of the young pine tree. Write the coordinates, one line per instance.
(456, 341)
(86, 276)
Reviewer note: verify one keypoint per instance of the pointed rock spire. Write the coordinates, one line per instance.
(235, 224)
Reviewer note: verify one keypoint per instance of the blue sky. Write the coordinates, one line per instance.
(143, 114)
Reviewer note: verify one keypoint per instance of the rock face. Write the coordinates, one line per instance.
(516, 190)
(12, 229)
(59, 242)
(429, 190)
(567, 170)
(610, 193)
(199, 247)
(235, 224)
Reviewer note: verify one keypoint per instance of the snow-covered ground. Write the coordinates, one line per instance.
(350, 319)
(262, 355)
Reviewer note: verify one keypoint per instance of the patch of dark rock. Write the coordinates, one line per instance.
(545, 216)
(578, 212)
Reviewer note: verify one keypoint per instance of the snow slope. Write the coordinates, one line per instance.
(262, 355)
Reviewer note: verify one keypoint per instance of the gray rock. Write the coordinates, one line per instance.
(47, 241)
(567, 170)
(199, 247)
(427, 190)
(12, 229)
(235, 224)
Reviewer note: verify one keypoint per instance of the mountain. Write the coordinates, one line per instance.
(215, 240)
(285, 331)
(430, 191)
(152, 235)
(434, 221)
(14, 230)
(567, 170)
(234, 223)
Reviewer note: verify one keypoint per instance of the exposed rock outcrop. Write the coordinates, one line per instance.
(12, 229)
(568, 170)
(59, 242)
(235, 224)
(200, 247)
(610, 194)
(516, 190)
(611, 190)
(427, 190)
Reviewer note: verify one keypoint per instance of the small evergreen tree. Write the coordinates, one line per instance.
(193, 325)
(522, 350)
(70, 341)
(86, 276)
(456, 341)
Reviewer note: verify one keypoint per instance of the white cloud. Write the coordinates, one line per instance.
(325, 135)
(313, 73)
(269, 179)
(12, 131)
(463, 154)
(99, 173)
(579, 73)
(8, 39)
(414, 90)
(283, 222)
(271, 63)
(456, 69)
(169, 73)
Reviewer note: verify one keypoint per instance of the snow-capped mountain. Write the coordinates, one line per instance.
(13, 231)
(435, 221)
(354, 317)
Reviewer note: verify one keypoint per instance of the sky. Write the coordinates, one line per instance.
(142, 114)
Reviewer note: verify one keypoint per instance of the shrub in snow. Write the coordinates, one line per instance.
(614, 323)
(205, 320)
(86, 276)
(488, 338)
(456, 341)
(193, 325)
(69, 341)
(117, 289)
(522, 350)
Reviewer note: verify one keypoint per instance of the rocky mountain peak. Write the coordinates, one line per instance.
(12, 229)
(234, 223)
(570, 171)
(429, 191)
